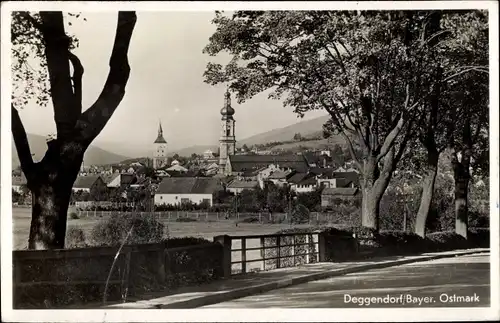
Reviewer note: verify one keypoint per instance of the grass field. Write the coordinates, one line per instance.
(207, 230)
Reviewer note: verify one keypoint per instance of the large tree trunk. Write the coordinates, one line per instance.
(462, 177)
(373, 185)
(51, 188)
(49, 217)
(427, 191)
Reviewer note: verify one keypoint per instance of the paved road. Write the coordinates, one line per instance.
(453, 282)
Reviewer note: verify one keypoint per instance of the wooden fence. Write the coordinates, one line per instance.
(51, 278)
(315, 217)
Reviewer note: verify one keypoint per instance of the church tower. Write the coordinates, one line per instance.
(160, 150)
(227, 142)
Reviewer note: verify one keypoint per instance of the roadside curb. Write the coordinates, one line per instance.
(262, 288)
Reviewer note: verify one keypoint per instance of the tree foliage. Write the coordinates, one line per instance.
(29, 64)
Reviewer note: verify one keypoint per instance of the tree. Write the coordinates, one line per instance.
(367, 69)
(51, 179)
(245, 147)
(464, 49)
(297, 137)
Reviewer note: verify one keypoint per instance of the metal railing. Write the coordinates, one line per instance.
(271, 249)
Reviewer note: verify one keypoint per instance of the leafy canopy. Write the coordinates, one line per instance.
(29, 65)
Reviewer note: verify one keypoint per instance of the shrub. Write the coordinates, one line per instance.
(300, 214)
(74, 216)
(398, 242)
(75, 238)
(113, 230)
(443, 241)
(479, 237)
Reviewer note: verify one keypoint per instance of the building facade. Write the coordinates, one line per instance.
(179, 190)
(160, 150)
(227, 142)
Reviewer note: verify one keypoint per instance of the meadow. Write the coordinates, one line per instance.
(201, 228)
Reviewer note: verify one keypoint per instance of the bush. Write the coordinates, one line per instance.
(479, 237)
(113, 230)
(75, 238)
(444, 241)
(300, 214)
(74, 216)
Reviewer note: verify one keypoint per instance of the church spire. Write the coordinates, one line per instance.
(160, 139)
(160, 130)
(227, 110)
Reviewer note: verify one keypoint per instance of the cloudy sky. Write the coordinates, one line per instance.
(166, 83)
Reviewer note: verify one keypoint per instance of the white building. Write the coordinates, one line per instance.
(237, 186)
(177, 190)
(302, 182)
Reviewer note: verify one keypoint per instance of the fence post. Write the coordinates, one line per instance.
(278, 252)
(243, 255)
(225, 241)
(308, 253)
(322, 246)
(263, 252)
(293, 250)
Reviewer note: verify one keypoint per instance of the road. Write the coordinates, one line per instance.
(451, 282)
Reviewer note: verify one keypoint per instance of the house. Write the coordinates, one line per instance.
(236, 186)
(302, 182)
(176, 168)
(120, 180)
(327, 177)
(240, 164)
(92, 184)
(208, 154)
(18, 183)
(331, 197)
(177, 190)
(280, 178)
(141, 182)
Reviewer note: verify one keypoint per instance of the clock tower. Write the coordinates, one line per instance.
(227, 142)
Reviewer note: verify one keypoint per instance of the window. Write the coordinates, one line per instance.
(228, 132)
(161, 197)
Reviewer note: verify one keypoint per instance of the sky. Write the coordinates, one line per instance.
(166, 83)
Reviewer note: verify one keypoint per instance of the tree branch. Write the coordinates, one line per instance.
(394, 133)
(77, 80)
(481, 69)
(95, 118)
(21, 142)
(57, 54)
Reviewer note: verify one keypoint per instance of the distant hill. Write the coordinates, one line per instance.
(307, 128)
(93, 156)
